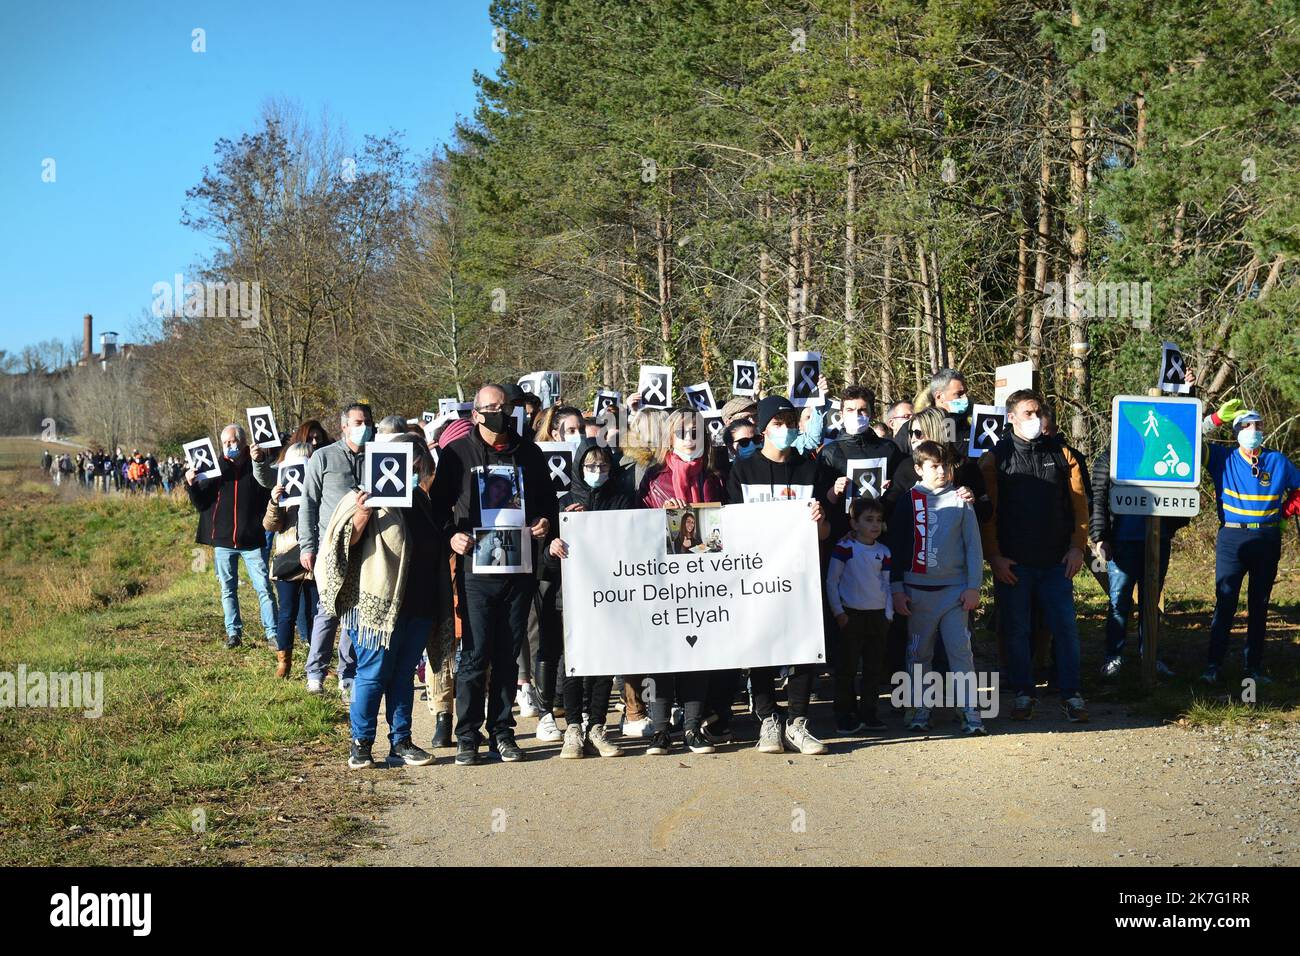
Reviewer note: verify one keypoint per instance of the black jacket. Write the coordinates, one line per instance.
(230, 507)
(1101, 523)
(613, 495)
(865, 444)
(455, 493)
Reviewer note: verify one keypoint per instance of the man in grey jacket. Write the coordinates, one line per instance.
(332, 472)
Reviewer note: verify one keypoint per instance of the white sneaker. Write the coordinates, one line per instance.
(314, 686)
(345, 690)
(573, 742)
(638, 728)
(526, 699)
(598, 742)
(800, 740)
(547, 732)
(769, 736)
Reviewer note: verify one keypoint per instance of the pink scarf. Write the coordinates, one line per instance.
(686, 477)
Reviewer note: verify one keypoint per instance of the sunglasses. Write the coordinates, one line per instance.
(917, 433)
(744, 442)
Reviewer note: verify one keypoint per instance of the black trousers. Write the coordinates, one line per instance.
(587, 693)
(492, 633)
(861, 641)
(550, 624)
(690, 689)
(798, 690)
(722, 692)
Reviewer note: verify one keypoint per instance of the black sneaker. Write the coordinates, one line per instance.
(872, 722)
(466, 753)
(660, 744)
(406, 752)
(716, 733)
(360, 756)
(847, 725)
(233, 640)
(442, 731)
(507, 749)
(698, 743)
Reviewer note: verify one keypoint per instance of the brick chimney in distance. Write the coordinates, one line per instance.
(88, 321)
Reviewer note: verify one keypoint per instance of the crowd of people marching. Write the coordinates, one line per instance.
(100, 470)
(398, 591)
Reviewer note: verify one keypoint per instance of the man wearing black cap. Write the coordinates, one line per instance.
(778, 473)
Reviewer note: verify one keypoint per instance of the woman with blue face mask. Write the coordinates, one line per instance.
(1250, 482)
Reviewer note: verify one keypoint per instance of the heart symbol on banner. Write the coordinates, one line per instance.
(692, 638)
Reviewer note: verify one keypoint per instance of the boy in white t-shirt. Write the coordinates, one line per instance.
(857, 588)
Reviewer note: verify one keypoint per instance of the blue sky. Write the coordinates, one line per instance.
(113, 93)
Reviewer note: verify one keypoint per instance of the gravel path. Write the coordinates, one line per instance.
(1118, 791)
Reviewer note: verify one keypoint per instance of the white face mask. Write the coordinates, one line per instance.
(1031, 428)
(856, 423)
(692, 454)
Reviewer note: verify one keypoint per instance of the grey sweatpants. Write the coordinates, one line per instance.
(938, 614)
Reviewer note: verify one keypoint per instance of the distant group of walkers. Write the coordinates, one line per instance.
(100, 470)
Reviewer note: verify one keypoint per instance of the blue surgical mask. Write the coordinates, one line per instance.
(958, 406)
(783, 438)
(595, 478)
(360, 434)
(1250, 440)
(746, 451)
(231, 453)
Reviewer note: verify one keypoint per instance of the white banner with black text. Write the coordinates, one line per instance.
(746, 594)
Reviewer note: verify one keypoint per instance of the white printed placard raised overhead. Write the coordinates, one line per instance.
(752, 598)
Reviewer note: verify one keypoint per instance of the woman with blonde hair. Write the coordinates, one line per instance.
(678, 478)
(295, 587)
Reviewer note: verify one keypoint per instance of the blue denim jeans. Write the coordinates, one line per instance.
(1055, 595)
(227, 565)
(291, 595)
(388, 672)
(1126, 568)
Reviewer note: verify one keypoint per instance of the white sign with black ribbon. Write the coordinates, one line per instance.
(1173, 370)
(700, 396)
(744, 377)
(559, 464)
(713, 425)
(987, 423)
(607, 400)
(655, 384)
(291, 478)
(388, 474)
(867, 478)
(202, 457)
(261, 427)
(805, 369)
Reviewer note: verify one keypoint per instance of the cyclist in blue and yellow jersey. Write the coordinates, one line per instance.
(1250, 483)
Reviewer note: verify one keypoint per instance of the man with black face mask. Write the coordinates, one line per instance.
(495, 605)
